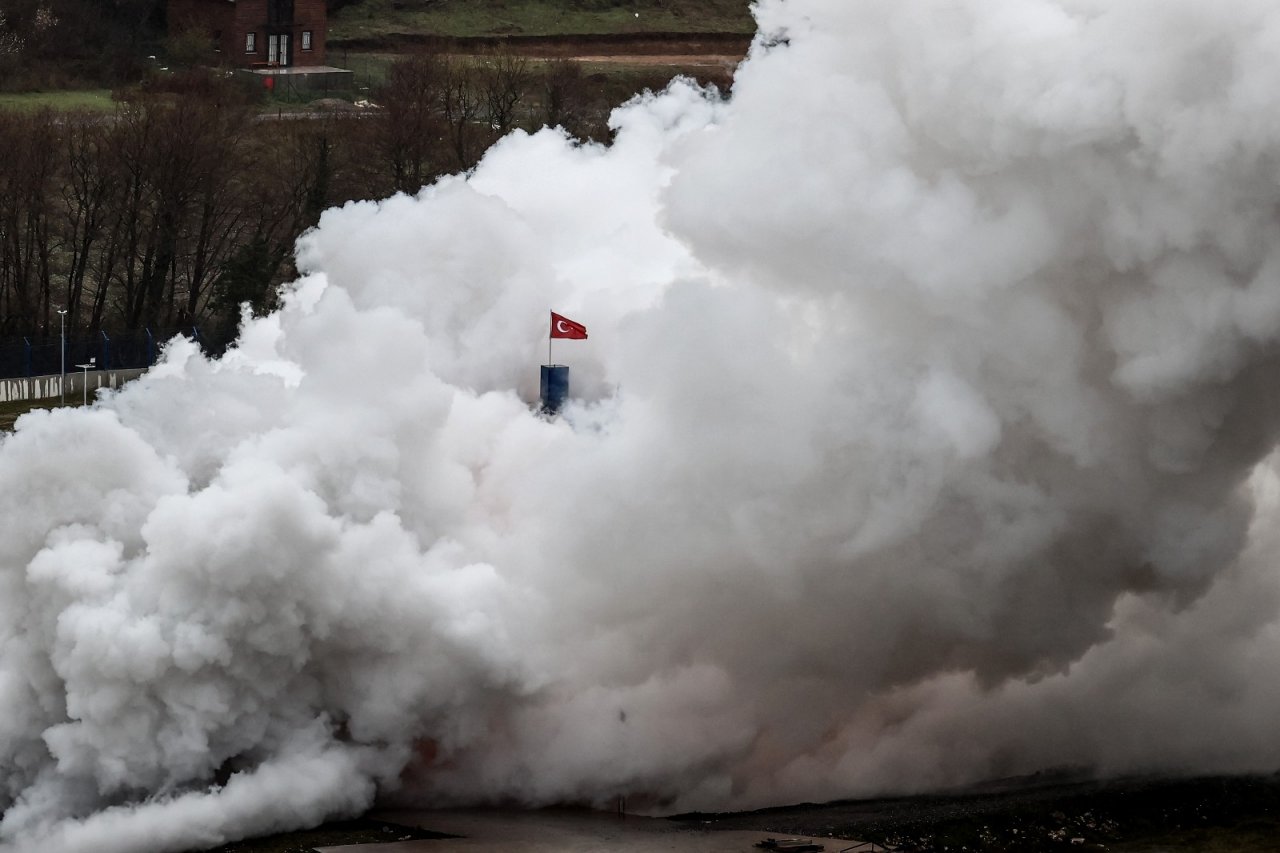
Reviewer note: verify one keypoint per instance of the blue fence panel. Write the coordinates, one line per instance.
(140, 349)
(130, 350)
(42, 357)
(80, 351)
(13, 358)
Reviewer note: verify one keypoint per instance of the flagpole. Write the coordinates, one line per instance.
(549, 342)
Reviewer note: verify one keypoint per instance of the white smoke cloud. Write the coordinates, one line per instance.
(922, 435)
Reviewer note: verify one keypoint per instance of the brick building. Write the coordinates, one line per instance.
(257, 33)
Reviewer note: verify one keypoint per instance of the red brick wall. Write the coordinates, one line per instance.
(309, 15)
(251, 17)
(236, 20)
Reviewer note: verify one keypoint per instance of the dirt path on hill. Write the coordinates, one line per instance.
(683, 60)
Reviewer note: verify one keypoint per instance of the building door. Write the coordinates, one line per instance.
(278, 49)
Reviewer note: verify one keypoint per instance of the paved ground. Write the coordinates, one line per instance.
(570, 832)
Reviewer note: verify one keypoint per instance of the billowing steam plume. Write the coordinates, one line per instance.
(923, 436)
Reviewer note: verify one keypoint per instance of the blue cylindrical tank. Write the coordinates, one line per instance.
(555, 387)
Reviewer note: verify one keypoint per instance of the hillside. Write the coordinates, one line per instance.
(372, 20)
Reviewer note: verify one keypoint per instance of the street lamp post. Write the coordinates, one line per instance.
(62, 341)
(93, 362)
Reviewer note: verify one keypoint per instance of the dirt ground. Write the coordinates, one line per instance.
(700, 60)
(1050, 812)
(573, 831)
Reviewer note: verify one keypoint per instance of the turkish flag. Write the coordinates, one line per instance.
(563, 327)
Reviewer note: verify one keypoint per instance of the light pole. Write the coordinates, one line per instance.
(62, 341)
(85, 387)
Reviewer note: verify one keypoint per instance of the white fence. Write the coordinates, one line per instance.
(44, 387)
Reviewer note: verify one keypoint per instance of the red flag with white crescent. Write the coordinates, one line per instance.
(563, 327)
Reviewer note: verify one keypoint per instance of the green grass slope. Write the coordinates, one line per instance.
(75, 100)
(375, 19)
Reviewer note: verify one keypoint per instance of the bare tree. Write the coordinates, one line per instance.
(566, 96)
(180, 160)
(505, 79)
(89, 192)
(287, 184)
(413, 97)
(462, 103)
(28, 173)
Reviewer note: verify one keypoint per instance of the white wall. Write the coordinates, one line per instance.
(40, 387)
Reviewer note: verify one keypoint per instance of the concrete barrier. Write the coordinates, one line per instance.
(44, 387)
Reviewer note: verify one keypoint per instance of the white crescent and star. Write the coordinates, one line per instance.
(560, 327)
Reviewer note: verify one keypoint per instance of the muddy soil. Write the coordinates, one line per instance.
(1034, 814)
(1047, 814)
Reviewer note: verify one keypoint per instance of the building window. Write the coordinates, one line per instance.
(250, 42)
(306, 39)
